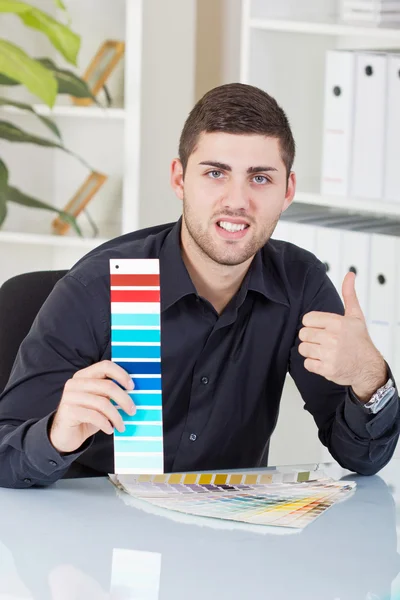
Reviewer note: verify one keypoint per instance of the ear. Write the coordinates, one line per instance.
(291, 190)
(176, 178)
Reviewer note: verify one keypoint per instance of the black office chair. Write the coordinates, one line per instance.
(21, 297)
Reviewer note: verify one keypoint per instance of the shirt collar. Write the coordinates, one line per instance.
(262, 276)
(175, 281)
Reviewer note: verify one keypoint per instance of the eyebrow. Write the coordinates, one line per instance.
(225, 167)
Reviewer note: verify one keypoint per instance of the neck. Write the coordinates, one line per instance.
(214, 282)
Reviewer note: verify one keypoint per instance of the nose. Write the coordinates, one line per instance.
(235, 196)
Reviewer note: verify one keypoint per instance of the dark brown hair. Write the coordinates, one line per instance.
(239, 109)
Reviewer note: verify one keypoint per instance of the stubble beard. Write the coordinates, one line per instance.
(230, 255)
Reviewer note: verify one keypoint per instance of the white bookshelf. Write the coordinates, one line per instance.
(283, 49)
(107, 138)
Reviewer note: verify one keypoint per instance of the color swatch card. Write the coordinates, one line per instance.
(136, 347)
(289, 500)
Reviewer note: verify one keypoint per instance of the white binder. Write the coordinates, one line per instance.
(302, 235)
(369, 125)
(356, 257)
(338, 122)
(281, 231)
(392, 146)
(329, 249)
(382, 293)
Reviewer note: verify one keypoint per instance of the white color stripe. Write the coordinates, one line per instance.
(135, 343)
(135, 266)
(142, 308)
(137, 288)
(139, 454)
(146, 392)
(142, 423)
(137, 360)
(136, 328)
(141, 376)
(141, 438)
(138, 471)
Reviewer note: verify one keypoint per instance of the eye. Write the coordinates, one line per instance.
(260, 179)
(215, 174)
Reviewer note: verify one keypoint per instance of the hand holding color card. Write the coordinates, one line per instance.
(136, 347)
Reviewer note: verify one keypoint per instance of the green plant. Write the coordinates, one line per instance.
(44, 79)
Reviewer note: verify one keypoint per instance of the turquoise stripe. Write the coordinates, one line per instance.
(141, 430)
(139, 462)
(138, 445)
(135, 352)
(140, 320)
(143, 415)
(147, 399)
(135, 335)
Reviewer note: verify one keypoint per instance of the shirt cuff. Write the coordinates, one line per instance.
(367, 425)
(40, 452)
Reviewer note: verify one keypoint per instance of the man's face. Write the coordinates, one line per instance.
(234, 190)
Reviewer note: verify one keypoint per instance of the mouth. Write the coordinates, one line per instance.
(232, 229)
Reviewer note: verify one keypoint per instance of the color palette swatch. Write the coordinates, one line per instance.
(279, 499)
(136, 347)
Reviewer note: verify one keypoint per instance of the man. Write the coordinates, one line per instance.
(237, 312)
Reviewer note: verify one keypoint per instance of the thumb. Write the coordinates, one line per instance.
(352, 306)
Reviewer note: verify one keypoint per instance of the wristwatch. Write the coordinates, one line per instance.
(380, 398)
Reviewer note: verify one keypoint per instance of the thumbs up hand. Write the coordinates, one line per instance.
(339, 347)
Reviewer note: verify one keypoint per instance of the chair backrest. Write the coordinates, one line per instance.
(21, 298)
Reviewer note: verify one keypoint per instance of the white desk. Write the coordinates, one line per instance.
(78, 540)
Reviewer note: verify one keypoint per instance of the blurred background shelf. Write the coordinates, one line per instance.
(361, 205)
(79, 112)
(333, 28)
(86, 244)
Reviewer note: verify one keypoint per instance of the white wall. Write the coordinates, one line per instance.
(167, 98)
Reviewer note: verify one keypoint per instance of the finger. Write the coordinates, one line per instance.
(351, 303)
(321, 320)
(313, 335)
(97, 403)
(94, 418)
(310, 350)
(106, 369)
(313, 366)
(106, 388)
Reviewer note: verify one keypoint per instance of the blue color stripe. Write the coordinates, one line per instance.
(135, 352)
(142, 383)
(135, 445)
(135, 335)
(128, 320)
(141, 368)
(146, 399)
(142, 415)
(141, 430)
(139, 462)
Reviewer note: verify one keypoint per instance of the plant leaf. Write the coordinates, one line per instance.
(3, 176)
(3, 207)
(68, 82)
(48, 122)
(4, 80)
(60, 4)
(61, 36)
(18, 197)
(12, 133)
(15, 63)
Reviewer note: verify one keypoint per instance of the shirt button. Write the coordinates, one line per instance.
(193, 437)
(52, 463)
(204, 380)
(27, 480)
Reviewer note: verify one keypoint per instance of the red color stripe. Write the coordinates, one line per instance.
(135, 280)
(135, 296)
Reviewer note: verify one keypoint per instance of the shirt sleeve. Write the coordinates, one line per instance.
(65, 337)
(357, 440)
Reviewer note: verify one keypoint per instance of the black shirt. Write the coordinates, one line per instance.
(222, 375)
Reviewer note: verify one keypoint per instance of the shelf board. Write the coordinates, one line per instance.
(90, 112)
(376, 207)
(50, 240)
(328, 28)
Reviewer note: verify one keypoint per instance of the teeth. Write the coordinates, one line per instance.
(231, 226)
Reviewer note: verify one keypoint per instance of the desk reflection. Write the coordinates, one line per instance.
(79, 540)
